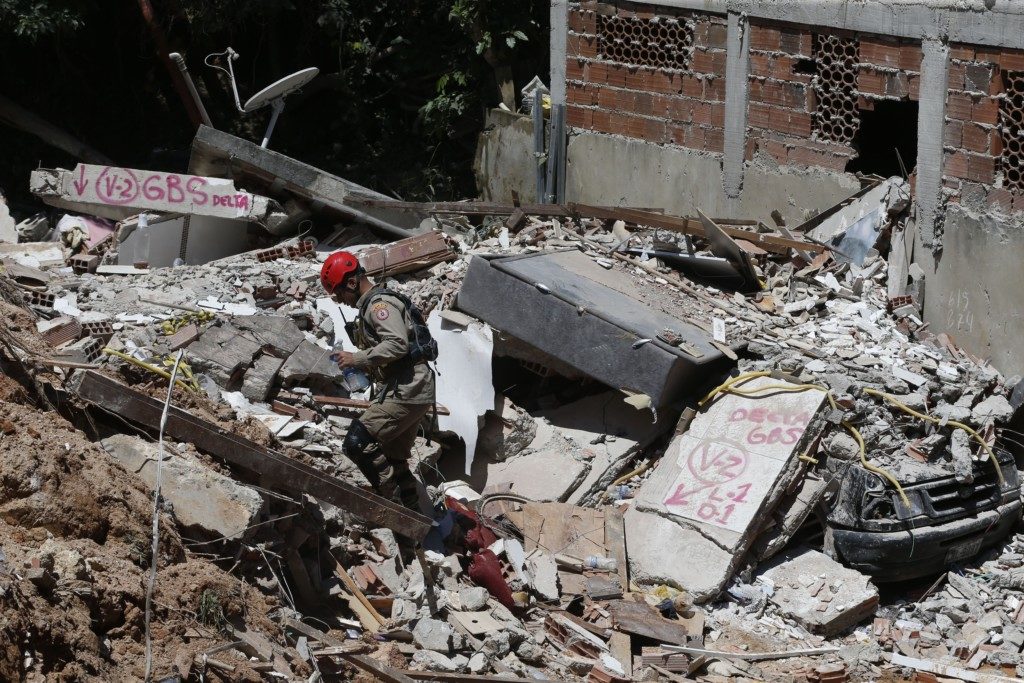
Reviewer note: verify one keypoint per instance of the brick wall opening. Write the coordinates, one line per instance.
(1011, 161)
(887, 134)
(661, 42)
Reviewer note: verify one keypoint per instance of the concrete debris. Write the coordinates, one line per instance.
(199, 496)
(625, 454)
(819, 593)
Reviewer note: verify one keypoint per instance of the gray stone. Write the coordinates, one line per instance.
(199, 496)
(431, 634)
(308, 361)
(960, 449)
(275, 331)
(259, 379)
(848, 596)
(473, 599)
(435, 661)
(478, 663)
(995, 407)
(221, 351)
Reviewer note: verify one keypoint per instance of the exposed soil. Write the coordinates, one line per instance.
(72, 514)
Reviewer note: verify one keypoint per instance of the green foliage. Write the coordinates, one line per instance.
(34, 19)
(398, 104)
(210, 612)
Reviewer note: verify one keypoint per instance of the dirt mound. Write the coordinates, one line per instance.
(75, 538)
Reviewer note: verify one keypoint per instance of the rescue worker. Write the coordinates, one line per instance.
(389, 332)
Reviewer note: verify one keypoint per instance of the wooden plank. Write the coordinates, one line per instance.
(646, 216)
(340, 572)
(276, 469)
(467, 678)
(641, 619)
(749, 656)
(690, 226)
(377, 669)
(312, 632)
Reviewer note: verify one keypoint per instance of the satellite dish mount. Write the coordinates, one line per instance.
(272, 95)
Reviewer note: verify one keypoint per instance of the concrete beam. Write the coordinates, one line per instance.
(215, 152)
(117, 193)
(559, 35)
(931, 120)
(963, 21)
(737, 68)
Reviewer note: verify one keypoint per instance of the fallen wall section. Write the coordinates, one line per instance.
(703, 506)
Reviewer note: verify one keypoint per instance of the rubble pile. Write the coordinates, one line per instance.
(666, 449)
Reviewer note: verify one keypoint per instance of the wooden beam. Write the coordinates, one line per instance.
(276, 469)
(378, 670)
(691, 226)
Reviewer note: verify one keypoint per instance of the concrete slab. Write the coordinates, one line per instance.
(606, 431)
(275, 331)
(308, 360)
(729, 470)
(221, 351)
(215, 152)
(662, 551)
(552, 470)
(194, 239)
(818, 593)
(200, 497)
(117, 193)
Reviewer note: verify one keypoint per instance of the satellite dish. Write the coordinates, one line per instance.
(272, 95)
(280, 89)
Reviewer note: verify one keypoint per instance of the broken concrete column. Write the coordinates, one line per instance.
(199, 496)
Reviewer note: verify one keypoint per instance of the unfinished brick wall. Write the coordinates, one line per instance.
(671, 92)
(982, 144)
(658, 74)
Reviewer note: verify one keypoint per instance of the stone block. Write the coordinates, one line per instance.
(199, 496)
(818, 593)
(259, 379)
(221, 351)
(308, 360)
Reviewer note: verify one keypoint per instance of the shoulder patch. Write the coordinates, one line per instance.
(380, 311)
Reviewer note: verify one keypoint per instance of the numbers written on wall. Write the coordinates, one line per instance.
(959, 315)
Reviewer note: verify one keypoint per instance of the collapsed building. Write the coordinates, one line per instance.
(699, 416)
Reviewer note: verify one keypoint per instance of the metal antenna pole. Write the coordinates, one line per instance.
(277, 106)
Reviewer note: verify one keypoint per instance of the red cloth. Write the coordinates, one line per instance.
(485, 570)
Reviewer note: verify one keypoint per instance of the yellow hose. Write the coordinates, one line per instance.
(729, 387)
(147, 366)
(928, 418)
(874, 468)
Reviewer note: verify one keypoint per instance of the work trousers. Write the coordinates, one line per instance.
(394, 426)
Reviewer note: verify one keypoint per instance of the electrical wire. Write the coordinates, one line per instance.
(730, 387)
(155, 551)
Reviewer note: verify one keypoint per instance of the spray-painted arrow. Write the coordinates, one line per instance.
(80, 183)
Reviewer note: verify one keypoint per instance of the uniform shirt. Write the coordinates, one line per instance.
(384, 360)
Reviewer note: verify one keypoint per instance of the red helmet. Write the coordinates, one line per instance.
(338, 267)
